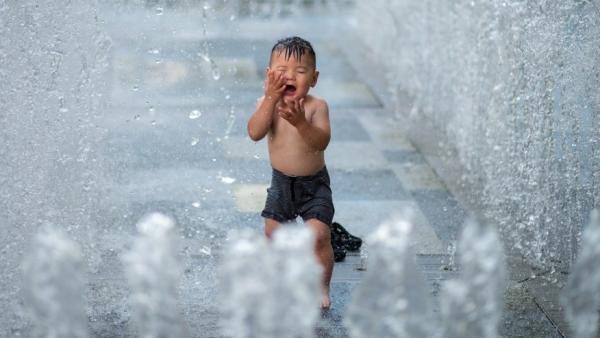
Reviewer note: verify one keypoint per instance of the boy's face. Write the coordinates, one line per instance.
(299, 75)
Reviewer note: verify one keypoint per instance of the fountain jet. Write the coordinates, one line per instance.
(392, 300)
(153, 272)
(271, 289)
(54, 286)
(581, 297)
(471, 306)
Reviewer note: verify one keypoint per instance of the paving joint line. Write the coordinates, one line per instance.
(554, 325)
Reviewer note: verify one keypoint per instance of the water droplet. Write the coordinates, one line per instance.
(216, 74)
(194, 114)
(151, 109)
(205, 250)
(137, 117)
(196, 204)
(256, 157)
(195, 141)
(214, 160)
(227, 97)
(232, 17)
(153, 122)
(159, 11)
(135, 88)
(204, 56)
(227, 180)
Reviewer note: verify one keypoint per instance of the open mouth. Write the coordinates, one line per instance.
(289, 90)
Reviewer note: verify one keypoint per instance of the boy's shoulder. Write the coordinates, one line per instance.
(317, 102)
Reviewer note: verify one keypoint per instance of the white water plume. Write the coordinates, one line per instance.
(392, 299)
(505, 90)
(271, 289)
(153, 271)
(471, 306)
(54, 286)
(581, 296)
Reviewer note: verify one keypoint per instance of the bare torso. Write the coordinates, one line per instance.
(288, 152)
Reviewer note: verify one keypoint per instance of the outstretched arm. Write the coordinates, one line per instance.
(260, 122)
(317, 132)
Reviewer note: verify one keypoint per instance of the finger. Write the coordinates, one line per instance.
(284, 110)
(284, 116)
(281, 79)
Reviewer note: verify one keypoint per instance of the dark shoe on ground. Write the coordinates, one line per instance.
(339, 253)
(344, 238)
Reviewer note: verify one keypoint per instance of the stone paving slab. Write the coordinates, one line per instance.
(418, 177)
(443, 212)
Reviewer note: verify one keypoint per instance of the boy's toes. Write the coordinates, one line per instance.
(325, 302)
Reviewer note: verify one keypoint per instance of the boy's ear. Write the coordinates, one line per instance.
(315, 78)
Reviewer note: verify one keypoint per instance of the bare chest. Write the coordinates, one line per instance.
(282, 130)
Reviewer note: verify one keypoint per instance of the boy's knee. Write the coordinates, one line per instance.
(322, 234)
(270, 227)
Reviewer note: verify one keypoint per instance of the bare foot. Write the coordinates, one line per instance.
(325, 302)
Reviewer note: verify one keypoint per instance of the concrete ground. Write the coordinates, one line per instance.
(176, 143)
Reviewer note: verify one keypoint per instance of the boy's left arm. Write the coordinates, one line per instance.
(317, 131)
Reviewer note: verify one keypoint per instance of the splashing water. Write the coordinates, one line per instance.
(392, 300)
(153, 272)
(194, 114)
(471, 306)
(230, 121)
(56, 302)
(581, 297)
(271, 289)
(215, 72)
(53, 62)
(507, 89)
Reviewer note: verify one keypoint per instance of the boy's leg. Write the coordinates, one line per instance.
(270, 226)
(324, 253)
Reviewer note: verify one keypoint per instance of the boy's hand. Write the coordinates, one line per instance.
(293, 112)
(274, 85)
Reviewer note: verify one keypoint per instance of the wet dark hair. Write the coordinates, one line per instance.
(294, 46)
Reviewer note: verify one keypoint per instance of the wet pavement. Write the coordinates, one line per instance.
(176, 143)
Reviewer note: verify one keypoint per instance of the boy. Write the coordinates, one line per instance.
(299, 132)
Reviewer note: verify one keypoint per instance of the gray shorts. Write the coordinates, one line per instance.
(306, 196)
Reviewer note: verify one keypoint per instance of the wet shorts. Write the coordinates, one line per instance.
(306, 196)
